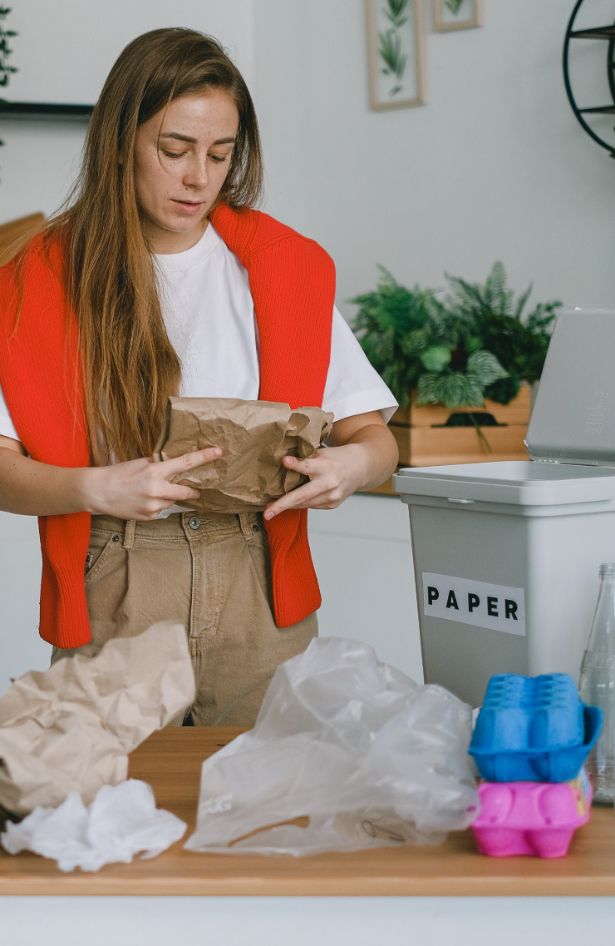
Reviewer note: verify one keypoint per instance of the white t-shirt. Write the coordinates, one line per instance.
(209, 317)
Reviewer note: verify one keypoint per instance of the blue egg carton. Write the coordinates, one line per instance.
(533, 729)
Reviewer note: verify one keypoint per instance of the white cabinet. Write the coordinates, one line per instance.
(363, 558)
(21, 648)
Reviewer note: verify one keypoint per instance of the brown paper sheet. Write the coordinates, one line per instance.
(254, 436)
(71, 727)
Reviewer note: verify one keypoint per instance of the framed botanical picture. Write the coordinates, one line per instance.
(395, 53)
(457, 14)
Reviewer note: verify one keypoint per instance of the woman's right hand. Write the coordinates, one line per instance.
(140, 489)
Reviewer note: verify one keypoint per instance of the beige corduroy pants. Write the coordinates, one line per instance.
(210, 573)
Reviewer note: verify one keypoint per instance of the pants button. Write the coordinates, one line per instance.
(194, 522)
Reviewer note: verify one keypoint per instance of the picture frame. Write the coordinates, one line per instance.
(395, 54)
(468, 16)
(45, 110)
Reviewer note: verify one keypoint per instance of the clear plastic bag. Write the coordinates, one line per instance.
(357, 751)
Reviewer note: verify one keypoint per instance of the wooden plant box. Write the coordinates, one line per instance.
(15, 233)
(433, 446)
(516, 411)
(423, 440)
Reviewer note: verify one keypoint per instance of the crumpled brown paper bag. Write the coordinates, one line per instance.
(71, 727)
(254, 436)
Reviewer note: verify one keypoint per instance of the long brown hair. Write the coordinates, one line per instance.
(129, 365)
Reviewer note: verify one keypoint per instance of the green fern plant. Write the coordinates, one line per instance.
(397, 328)
(519, 340)
(6, 69)
(474, 343)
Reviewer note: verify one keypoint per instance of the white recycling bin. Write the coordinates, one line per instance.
(506, 554)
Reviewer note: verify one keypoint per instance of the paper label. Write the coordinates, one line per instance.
(497, 607)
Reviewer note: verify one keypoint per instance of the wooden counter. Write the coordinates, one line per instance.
(170, 762)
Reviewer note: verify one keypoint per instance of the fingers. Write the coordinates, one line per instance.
(177, 493)
(174, 494)
(149, 507)
(322, 501)
(324, 491)
(189, 461)
(307, 467)
(311, 495)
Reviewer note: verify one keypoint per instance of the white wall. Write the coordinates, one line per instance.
(21, 648)
(63, 55)
(494, 166)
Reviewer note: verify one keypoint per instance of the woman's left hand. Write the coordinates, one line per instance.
(361, 452)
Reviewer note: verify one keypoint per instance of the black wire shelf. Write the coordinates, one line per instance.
(598, 110)
(602, 33)
(597, 32)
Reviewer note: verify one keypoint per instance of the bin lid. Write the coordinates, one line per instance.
(516, 482)
(573, 419)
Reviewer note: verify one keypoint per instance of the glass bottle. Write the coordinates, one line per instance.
(597, 686)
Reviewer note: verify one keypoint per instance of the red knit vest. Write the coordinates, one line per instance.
(292, 281)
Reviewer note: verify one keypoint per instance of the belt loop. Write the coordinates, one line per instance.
(246, 522)
(129, 534)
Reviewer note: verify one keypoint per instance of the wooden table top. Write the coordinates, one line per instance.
(170, 761)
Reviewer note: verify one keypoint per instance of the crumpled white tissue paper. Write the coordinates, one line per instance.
(121, 821)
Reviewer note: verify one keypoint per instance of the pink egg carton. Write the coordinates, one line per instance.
(536, 818)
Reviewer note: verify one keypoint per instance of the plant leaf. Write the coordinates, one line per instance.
(435, 358)
(485, 367)
(460, 390)
(428, 389)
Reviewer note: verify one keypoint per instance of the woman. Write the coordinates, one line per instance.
(159, 279)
